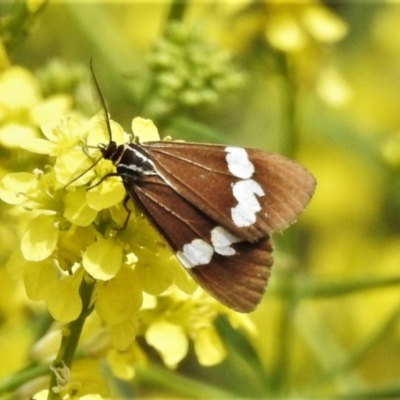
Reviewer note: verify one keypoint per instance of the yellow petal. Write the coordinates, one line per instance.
(169, 340)
(208, 347)
(123, 334)
(14, 187)
(102, 259)
(120, 364)
(18, 89)
(42, 395)
(70, 164)
(16, 264)
(64, 302)
(182, 279)
(324, 25)
(145, 129)
(119, 298)
(77, 210)
(285, 33)
(39, 279)
(12, 135)
(40, 239)
(147, 270)
(98, 132)
(74, 242)
(51, 109)
(109, 193)
(333, 88)
(37, 145)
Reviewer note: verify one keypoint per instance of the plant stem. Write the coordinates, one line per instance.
(290, 243)
(16, 380)
(177, 10)
(70, 340)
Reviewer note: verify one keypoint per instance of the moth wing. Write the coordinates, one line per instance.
(269, 200)
(244, 271)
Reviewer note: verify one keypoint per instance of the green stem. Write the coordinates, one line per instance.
(176, 10)
(281, 368)
(290, 242)
(16, 380)
(290, 130)
(69, 342)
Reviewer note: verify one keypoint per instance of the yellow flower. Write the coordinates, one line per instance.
(66, 134)
(73, 231)
(294, 26)
(118, 302)
(22, 110)
(178, 318)
(74, 235)
(123, 363)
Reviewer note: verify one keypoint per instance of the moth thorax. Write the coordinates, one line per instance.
(132, 161)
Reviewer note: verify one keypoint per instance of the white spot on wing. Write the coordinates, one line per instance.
(245, 192)
(239, 163)
(197, 252)
(222, 240)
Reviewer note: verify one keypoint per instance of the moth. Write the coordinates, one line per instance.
(215, 206)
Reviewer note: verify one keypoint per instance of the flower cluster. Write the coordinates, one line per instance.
(300, 33)
(74, 220)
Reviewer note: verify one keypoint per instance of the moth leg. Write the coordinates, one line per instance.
(103, 179)
(129, 212)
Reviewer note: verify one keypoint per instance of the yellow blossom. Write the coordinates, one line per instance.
(123, 334)
(39, 279)
(178, 318)
(103, 258)
(75, 236)
(64, 135)
(113, 304)
(170, 340)
(63, 300)
(123, 363)
(22, 109)
(109, 193)
(208, 346)
(40, 239)
(17, 188)
(77, 211)
(295, 26)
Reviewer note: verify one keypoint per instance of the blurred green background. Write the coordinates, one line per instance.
(319, 83)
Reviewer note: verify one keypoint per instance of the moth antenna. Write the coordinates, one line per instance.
(84, 172)
(100, 99)
(84, 149)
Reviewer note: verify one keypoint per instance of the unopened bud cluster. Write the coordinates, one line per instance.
(188, 70)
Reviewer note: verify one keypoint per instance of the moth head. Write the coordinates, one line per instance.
(108, 150)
